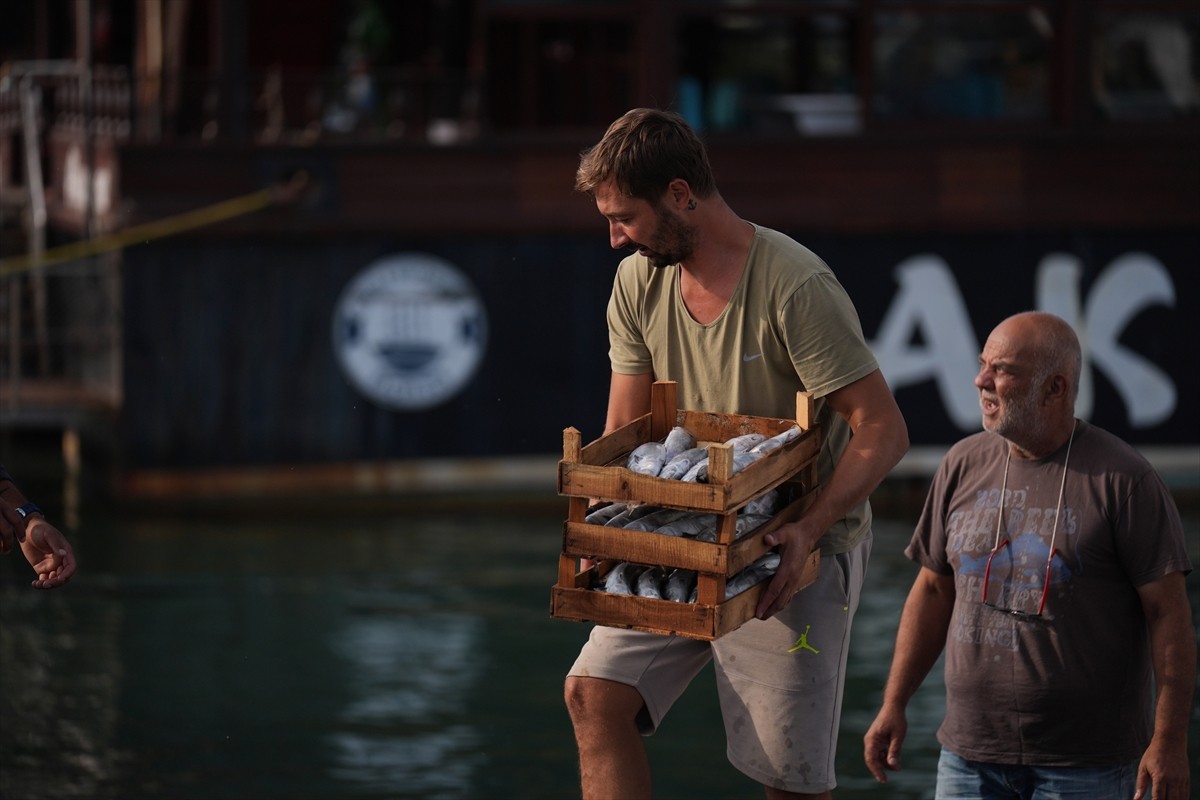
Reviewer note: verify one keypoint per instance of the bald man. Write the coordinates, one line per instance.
(1052, 565)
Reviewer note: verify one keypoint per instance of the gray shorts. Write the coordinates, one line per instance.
(779, 680)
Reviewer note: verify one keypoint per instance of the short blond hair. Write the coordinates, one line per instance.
(643, 151)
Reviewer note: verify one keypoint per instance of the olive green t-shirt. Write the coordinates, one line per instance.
(788, 327)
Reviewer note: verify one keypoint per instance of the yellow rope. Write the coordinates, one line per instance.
(142, 234)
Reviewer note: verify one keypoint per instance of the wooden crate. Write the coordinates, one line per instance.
(598, 471)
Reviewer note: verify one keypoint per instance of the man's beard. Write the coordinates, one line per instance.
(1020, 421)
(674, 241)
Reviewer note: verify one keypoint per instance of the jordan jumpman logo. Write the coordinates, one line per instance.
(802, 642)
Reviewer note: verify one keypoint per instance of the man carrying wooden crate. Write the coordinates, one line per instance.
(741, 317)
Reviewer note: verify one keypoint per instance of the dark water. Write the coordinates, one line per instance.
(353, 658)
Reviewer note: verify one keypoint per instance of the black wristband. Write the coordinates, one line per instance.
(29, 508)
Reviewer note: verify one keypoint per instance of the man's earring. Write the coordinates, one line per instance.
(691, 206)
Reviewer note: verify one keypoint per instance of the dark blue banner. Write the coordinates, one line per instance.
(374, 348)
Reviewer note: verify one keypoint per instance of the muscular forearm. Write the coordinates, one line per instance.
(869, 457)
(878, 441)
(628, 399)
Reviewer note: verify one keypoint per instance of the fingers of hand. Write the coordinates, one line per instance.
(779, 593)
(874, 756)
(777, 538)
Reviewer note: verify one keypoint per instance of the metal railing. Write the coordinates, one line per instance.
(59, 332)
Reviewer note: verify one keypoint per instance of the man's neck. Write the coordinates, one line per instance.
(1055, 437)
(722, 245)
(711, 274)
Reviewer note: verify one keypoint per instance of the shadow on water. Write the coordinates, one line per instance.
(356, 657)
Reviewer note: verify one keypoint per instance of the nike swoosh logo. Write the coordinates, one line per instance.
(748, 357)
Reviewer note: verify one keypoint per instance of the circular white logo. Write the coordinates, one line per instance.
(409, 331)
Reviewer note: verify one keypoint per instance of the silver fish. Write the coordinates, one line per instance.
(693, 474)
(679, 465)
(653, 521)
(744, 525)
(741, 444)
(741, 460)
(677, 441)
(604, 514)
(765, 503)
(649, 583)
(691, 525)
(747, 523)
(633, 512)
(680, 585)
(777, 441)
(761, 569)
(648, 458)
(621, 578)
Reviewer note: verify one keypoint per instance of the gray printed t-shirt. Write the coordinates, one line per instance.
(1072, 689)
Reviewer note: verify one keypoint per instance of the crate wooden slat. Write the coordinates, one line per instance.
(622, 484)
(693, 620)
(597, 542)
(591, 471)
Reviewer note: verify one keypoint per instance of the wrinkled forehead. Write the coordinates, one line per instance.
(1009, 343)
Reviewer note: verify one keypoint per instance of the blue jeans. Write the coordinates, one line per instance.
(959, 779)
